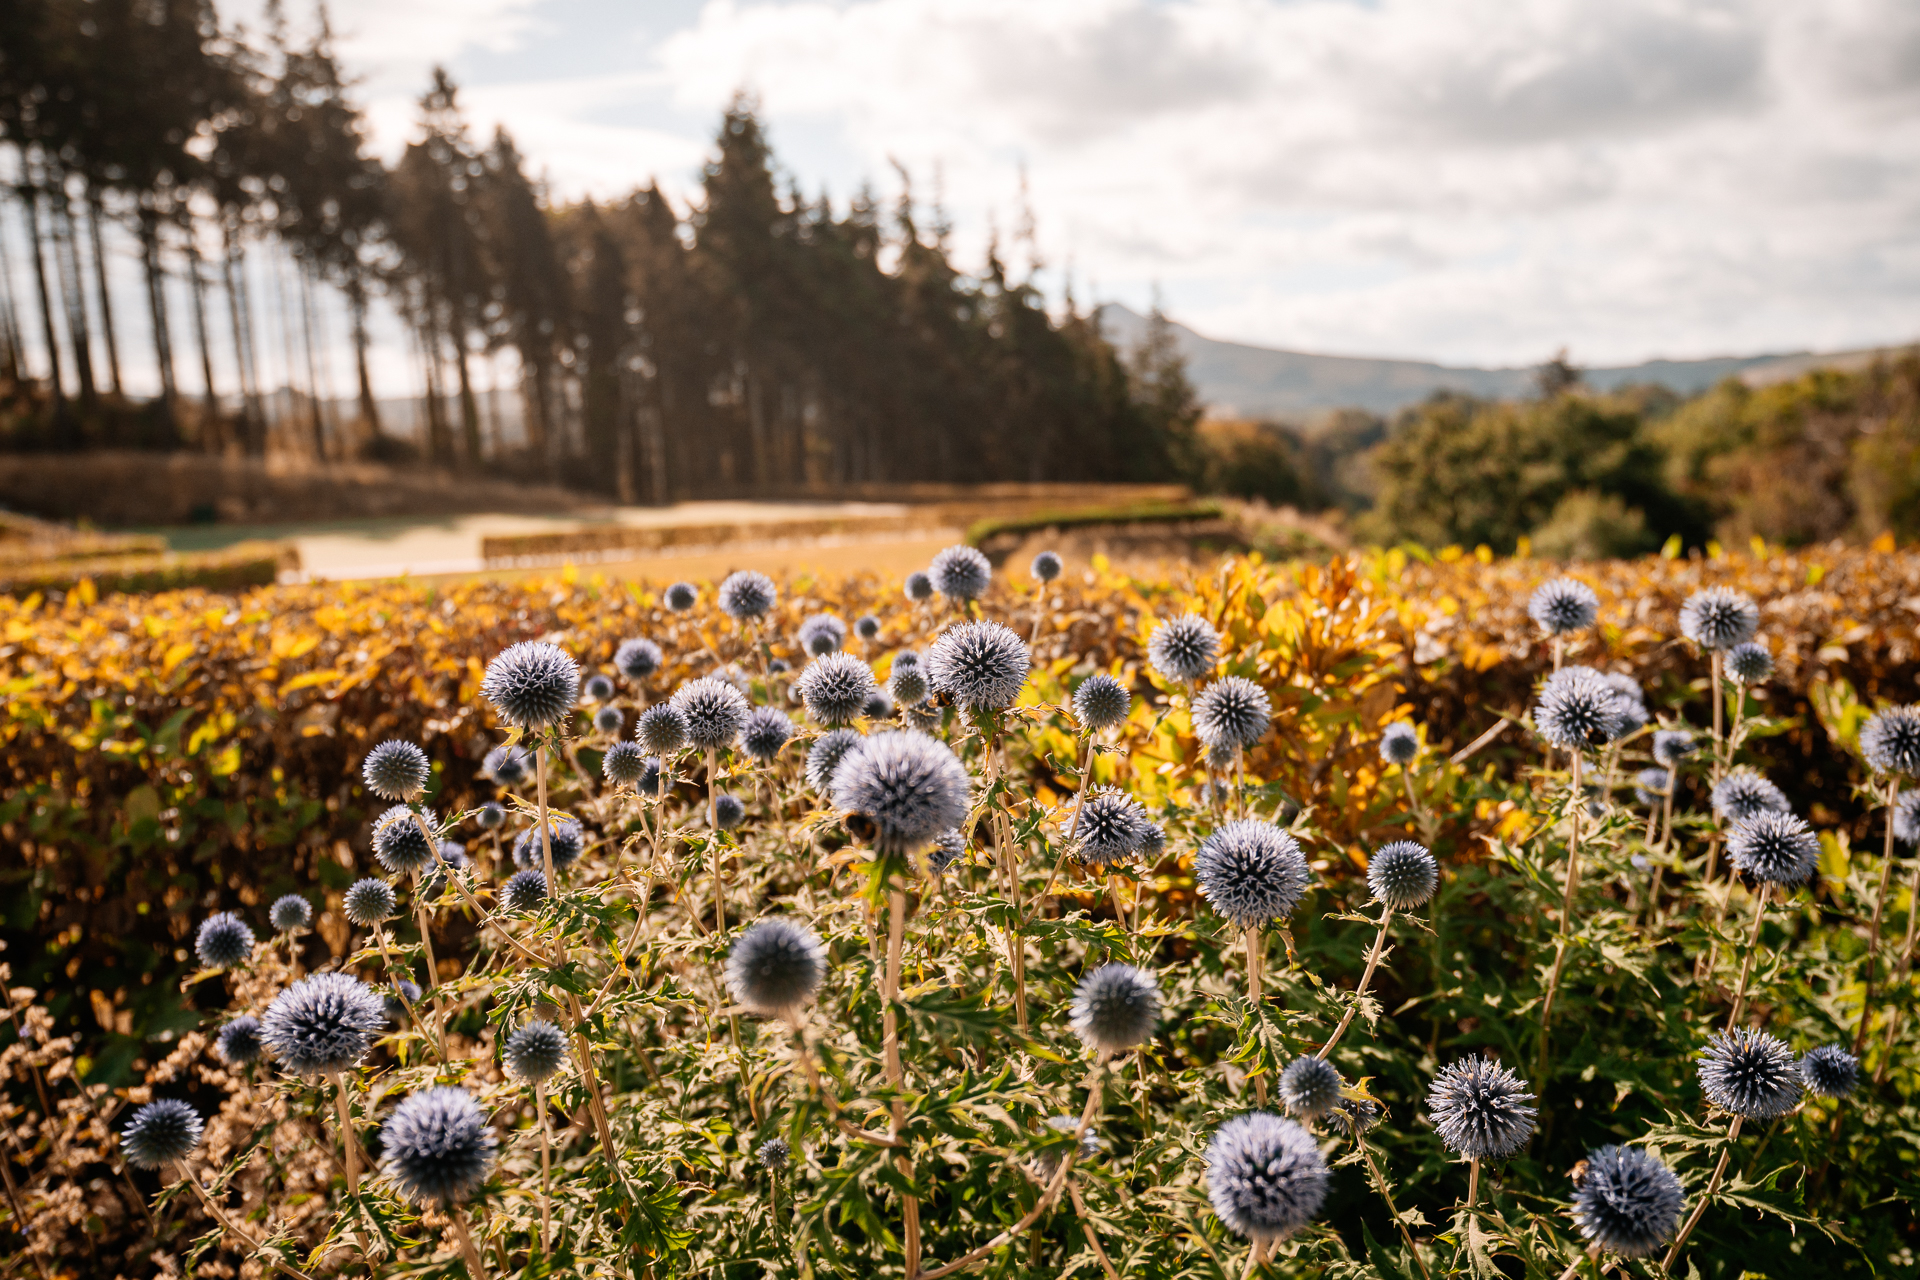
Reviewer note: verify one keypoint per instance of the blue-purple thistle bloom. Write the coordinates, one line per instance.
(436, 1146)
(1265, 1176)
(533, 684)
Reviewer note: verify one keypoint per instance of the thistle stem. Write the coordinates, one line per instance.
(896, 1073)
(1753, 945)
(713, 829)
(1873, 930)
(1254, 949)
(439, 1045)
(1086, 1225)
(348, 1141)
(1719, 718)
(228, 1225)
(1386, 1193)
(1578, 802)
(1073, 823)
(546, 1176)
(1473, 1183)
(1592, 1253)
(475, 1267)
(1713, 1185)
(1359, 992)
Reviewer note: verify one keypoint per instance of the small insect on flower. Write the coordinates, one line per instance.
(1563, 605)
(398, 842)
(680, 597)
(1184, 648)
(1775, 848)
(1400, 744)
(1830, 1071)
(1626, 1201)
(1890, 740)
(223, 941)
(1251, 872)
(1101, 702)
(746, 595)
(1578, 710)
(960, 573)
(1744, 794)
(773, 1155)
(948, 848)
(1046, 1160)
(609, 719)
(491, 816)
(161, 1132)
(524, 891)
(662, 729)
(1310, 1087)
(866, 626)
(239, 1041)
(767, 730)
(824, 757)
(1046, 566)
(1402, 875)
(508, 766)
(638, 658)
(775, 966)
(908, 684)
(979, 666)
(532, 684)
(898, 790)
(1672, 747)
(1232, 712)
(835, 688)
(822, 633)
(1650, 787)
(565, 840)
(1746, 1072)
(1749, 663)
(919, 586)
(1112, 827)
(1719, 618)
(1480, 1108)
(728, 812)
(1265, 1176)
(369, 902)
(598, 688)
(323, 1024)
(536, 1051)
(396, 770)
(624, 763)
(1115, 1008)
(713, 711)
(289, 913)
(436, 1146)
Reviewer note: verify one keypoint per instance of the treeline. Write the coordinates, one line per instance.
(760, 340)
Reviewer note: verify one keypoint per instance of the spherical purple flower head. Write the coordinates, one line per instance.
(1746, 1072)
(1220, 758)
(824, 757)
(609, 719)
(624, 763)
(1184, 648)
(399, 843)
(1906, 817)
(436, 1146)
(1403, 875)
(775, 966)
(960, 573)
(835, 688)
(161, 1132)
(728, 812)
(404, 993)
(1115, 1008)
(1830, 1071)
(532, 684)
(948, 848)
(1046, 566)
(239, 1041)
(1101, 702)
(1310, 1087)
(1890, 740)
(323, 1024)
(900, 789)
(536, 1051)
(680, 597)
(598, 688)
(564, 837)
(1578, 710)
(1629, 700)
(1749, 663)
(1251, 871)
(662, 729)
(747, 595)
(1627, 1201)
(290, 912)
(508, 766)
(1719, 618)
(1563, 605)
(713, 712)
(524, 891)
(1744, 794)
(1153, 841)
(767, 730)
(919, 586)
(908, 684)
(773, 1154)
(1480, 1108)
(1400, 744)
(396, 770)
(878, 706)
(905, 658)
(1672, 746)
(637, 658)
(821, 633)
(1232, 712)
(1265, 1176)
(1046, 1161)
(1650, 787)
(1353, 1116)
(1774, 848)
(369, 902)
(866, 626)
(491, 816)
(980, 665)
(223, 941)
(1112, 827)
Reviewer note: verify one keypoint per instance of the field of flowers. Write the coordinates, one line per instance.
(1281, 919)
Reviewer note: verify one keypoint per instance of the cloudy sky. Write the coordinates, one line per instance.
(1475, 181)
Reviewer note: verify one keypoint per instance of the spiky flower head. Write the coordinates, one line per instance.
(899, 789)
(1400, 743)
(866, 626)
(399, 843)
(746, 595)
(773, 1154)
(369, 902)
(662, 729)
(1744, 794)
(713, 711)
(1233, 711)
(1480, 1108)
(532, 684)
(822, 633)
(1672, 746)
(598, 688)
(775, 966)
(835, 688)
(980, 665)
(1111, 827)
(1775, 848)
(651, 772)
(1629, 699)
(1905, 816)
(491, 816)
(1746, 1072)
(1353, 1116)
(1310, 1087)
(1046, 566)
(1101, 701)
(1830, 1071)
(290, 912)
(1184, 648)
(239, 1041)
(223, 941)
(824, 757)
(919, 586)
(905, 658)
(524, 891)
(1115, 1008)
(436, 1146)
(1749, 663)
(767, 730)
(681, 596)
(609, 719)
(1153, 841)
(404, 994)
(728, 812)
(161, 1132)
(1251, 871)
(1563, 605)
(638, 658)
(948, 848)
(778, 666)
(1578, 710)
(508, 766)
(960, 573)
(323, 1024)
(624, 762)
(1650, 787)
(396, 770)
(908, 684)
(1890, 740)
(1265, 1176)
(565, 839)
(536, 1051)
(1719, 618)
(1627, 1202)
(1402, 875)
(878, 705)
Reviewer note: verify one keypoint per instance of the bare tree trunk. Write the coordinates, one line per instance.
(73, 292)
(157, 304)
(14, 349)
(357, 303)
(496, 435)
(313, 378)
(469, 408)
(536, 392)
(275, 257)
(253, 429)
(101, 291)
(213, 436)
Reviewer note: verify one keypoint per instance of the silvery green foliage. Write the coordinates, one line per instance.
(223, 941)
(1629, 700)
(1399, 743)
(728, 812)
(1890, 740)
(508, 766)
(565, 840)
(1310, 1087)
(1046, 566)
(866, 626)
(767, 730)
(239, 1041)
(747, 595)
(369, 902)
(624, 762)
(1749, 663)
(1746, 1072)
(919, 586)
(1101, 702)
(1480, 1108)
(1563, 605)
(1231, 712)
(835, 688)
(1627, 1202)
(1650, 787)
(1578, 710)
(1718, 618)
(1403, 875)
(1672, 746)
(1744, 794)
(908, 786)
(662, 729)
(1111, 827)
(1265, 1176)
(1115, 1008)
(1046, 1161)
(396, 770)
(322, 1024)
(773, 1155)
(680, 597)
(598, 688)
(638, 658)
(775, 966)
(524, 891)
(948, 848)
(532, 684)
(399, 843)
(1184, 648)
(436, 1146)
(908, 684)
(713, 712)
(491, 816)
(825, 756)
(979, 665)
(290, 911)
(536, 1051)
(1776, 848)
(161, 1132)
(1251, 871)
(822, 633)
(1905, 817)
(1830, 1071)
(960, 573)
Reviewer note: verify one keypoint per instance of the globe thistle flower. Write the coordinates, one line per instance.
(1650, 787)
(290, 912)
(491, 816)
(905, 658)
(728, 812)
(1578, 710)
(948, 848)
(824, 757)
(1310, 1087)
(1830, 1071)
(396, 770)
(908, 684)
(1480, 1108)
(609, 719)
(1251, 872)
(322, 1024)
(1627, 1201)
(1746, 1072)
(638, 658)
(624, 762)
(238, 1043)
(1265, 1176)
(524, 891)
(1671, 747)
(822, 633)
(160, 1132)
(369, 902)
(1718, 618)
(1749, 663)
(767, 730)
(405, 994)
(1629, 700)
(1046, 1160)
(1101, 702)
(662, 729)
(565, 840)
(1184, 648)
(899, 790)
(1890, 740)
(399, 843)
(1906, 817)
(1115, 1008)
(1111, 827)
(532, 684)
(1231, 712)
(1220, 758)
(835, 688)
(778, 666)
(223, 941)
(1399, 744)
(1774, 848)
(1046, 566)
(508, 766)
(1353, 1116)
(773, 1155)
(598, 688)
(960, 573)
(746, 595)
(775, 966)
(878, 706)
(866, 626)
(979, 665)
(1744, 794)
(1563, 605)
(1153, 841)
(919, 587)
(680, 597)
(713, 711)
(436, 1146)
(1403, 875)
(536, 1051)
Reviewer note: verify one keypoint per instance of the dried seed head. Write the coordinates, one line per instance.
(1251, 872)
(1115, 1008)
(224, 940)
(638, 658)
(1403, 875)
(323, 1024)
(960, 573)
(1627, 1201)
(775, 966)
(1746, 1072)
(161, 1132)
